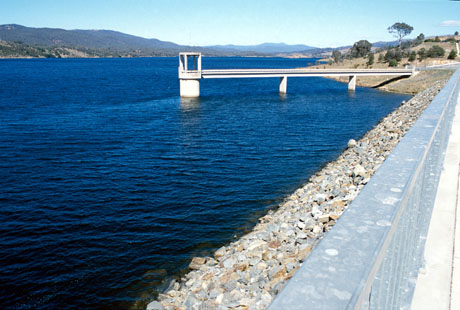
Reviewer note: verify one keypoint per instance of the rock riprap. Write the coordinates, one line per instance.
(249, 272)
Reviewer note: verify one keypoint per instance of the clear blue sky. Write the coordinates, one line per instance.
(321, 23)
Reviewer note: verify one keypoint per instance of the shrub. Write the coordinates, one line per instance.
(393, 63)
(412, 56)
(456, 33)
(451, 40)
(406, 44)
(419, 40)
(436, 51)
(337, 55)
(394, 53)
(437, 39)
(452, 54)
(422, 53)
(381, 58)
(370, 60)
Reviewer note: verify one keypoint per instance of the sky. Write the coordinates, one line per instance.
(319, 23)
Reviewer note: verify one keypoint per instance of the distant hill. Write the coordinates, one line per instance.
(22, 41)
(266, 48)
(105, 42)
(48, 37)
(49, 42)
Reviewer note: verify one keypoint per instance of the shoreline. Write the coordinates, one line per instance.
(249, 272)
(410, 86)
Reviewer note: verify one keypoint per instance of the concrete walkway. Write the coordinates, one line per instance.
(438, 283)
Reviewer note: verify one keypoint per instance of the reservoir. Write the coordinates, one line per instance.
(110, 183)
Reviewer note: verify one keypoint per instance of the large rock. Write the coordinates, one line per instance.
(360, 171)
(352, 143)
(155, 305)
(196, 263)
(255, 244)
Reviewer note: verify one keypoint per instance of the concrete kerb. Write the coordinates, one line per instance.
(433, 286)
(455, 285)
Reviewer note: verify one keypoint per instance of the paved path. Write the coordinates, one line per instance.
(438, 283)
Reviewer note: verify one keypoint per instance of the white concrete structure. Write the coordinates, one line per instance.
(352, 82)
(190, 74)
(283, 84)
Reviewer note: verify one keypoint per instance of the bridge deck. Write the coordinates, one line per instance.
(190, 76)
(252, 73)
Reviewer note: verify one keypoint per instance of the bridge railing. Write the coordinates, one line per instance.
(371, 258)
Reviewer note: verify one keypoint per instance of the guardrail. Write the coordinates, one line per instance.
(251, 73)
(371, 258)
(451, 64)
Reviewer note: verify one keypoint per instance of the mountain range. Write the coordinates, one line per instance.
(99, 43)
(267, 48)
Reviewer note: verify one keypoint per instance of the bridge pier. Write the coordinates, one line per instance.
(189, 88)
(352, 82)
(189, 74)
(283, 85)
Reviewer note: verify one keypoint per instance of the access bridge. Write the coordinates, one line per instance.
(190, 74)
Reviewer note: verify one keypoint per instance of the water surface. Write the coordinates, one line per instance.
(110, 183)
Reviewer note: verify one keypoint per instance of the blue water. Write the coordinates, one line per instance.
(110, 183)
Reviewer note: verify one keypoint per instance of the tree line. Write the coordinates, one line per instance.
(394, 54)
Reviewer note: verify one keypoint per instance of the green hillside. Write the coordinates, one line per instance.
(21, 41)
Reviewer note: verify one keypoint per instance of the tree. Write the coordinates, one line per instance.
(337, 56)
(437, 39)
(419, 40)
(456, 33)
(436, 52)
(412, 56)
(400, 30)
(370, 60)
(393, 63)
(381, 58)
(360, 49)
(422, 53)
(452, 54)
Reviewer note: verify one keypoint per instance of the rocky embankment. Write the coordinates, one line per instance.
(248, 273)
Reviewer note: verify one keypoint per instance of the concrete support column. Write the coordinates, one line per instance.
(189, 88)
(283, 84)
(352, 82)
